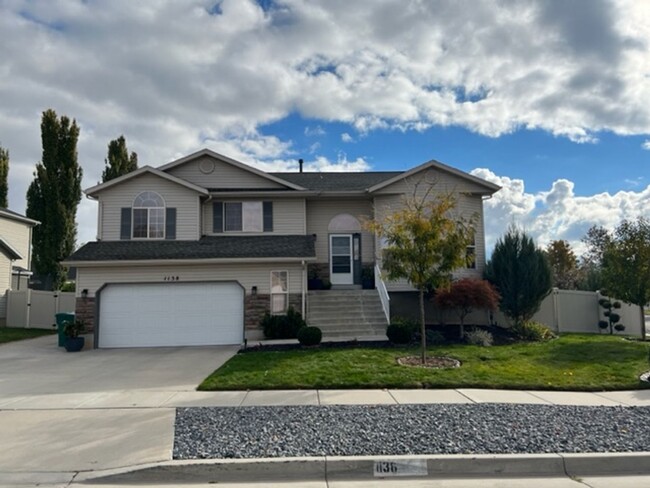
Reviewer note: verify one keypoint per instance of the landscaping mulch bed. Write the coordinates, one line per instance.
(435, 362)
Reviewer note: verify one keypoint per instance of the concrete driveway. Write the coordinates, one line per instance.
(97, 409)
(39, 367)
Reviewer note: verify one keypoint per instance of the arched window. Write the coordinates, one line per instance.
(344, 223)
(148, 216)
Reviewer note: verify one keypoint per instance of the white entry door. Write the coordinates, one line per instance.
(341, 269)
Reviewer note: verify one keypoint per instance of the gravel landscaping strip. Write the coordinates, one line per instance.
(342, 430)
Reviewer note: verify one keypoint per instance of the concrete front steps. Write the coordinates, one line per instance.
(346, 313)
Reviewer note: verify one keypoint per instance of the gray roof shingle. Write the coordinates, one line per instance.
(338, 181)
(208, 247)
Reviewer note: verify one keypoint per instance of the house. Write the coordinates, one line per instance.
(15, 255)
(196, 251)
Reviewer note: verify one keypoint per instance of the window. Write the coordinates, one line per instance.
(279, 292)
(148, 216)
(243, 217)
(470, 254)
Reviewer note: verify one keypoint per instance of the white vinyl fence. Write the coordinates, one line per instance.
(579, 311)
(36, 309)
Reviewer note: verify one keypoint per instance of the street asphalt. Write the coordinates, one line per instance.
(65, 418)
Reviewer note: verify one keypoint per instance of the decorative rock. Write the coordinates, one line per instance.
(356, 430)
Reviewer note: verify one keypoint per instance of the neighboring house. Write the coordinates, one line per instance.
(196, 251)
(15, 255)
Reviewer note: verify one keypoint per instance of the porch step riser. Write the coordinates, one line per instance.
(346, 313)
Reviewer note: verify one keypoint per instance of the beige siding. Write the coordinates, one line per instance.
(5, 281)
(443, 180)
(467, 207)
(288, 215)
(224, 175)
(321, 212)
(176, 196)
(248, 275)
(18, 236)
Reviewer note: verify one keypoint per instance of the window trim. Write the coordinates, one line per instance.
(271, 294)
(148, 209)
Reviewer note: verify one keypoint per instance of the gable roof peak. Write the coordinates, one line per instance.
(142, 170)
(233, 162)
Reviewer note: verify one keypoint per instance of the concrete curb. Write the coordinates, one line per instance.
(363, 468)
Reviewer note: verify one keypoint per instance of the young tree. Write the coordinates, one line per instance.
(626, 265)
(521, 274)
(466, 295)
(4, 174)
(564, 265)
(424, 244)
(118, 162)
(53, 196)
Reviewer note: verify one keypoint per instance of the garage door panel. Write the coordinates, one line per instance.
(171, 314)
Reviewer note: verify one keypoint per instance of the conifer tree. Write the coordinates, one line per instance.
(4, 175)
(118, 162)
(53, 197)
(521, 274)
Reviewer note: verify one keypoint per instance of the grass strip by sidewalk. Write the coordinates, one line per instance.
(9, 334)
(572, 362)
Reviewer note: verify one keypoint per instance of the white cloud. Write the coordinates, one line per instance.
(569, 68)
(557, 213)
(345, 137)
(646, 145)
(317, 131)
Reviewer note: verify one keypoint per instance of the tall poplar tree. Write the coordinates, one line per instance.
(4, 174)
(53, 197)
(119, 162)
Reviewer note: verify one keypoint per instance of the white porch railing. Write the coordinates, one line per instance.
(383, 293)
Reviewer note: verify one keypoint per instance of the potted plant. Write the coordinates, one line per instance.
(314, 281)
(72, 330)
(367, 278)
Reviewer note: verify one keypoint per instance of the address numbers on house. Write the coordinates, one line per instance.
(171, 278)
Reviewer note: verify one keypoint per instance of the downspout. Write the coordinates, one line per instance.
(302, 287)
(208, 200)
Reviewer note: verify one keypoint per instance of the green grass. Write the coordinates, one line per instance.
(8, 334)
(572, 362)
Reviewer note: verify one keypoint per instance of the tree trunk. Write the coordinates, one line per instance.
(423, 328)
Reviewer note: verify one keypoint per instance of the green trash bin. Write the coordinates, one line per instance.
(61, 319)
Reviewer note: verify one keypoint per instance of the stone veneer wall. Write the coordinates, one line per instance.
(85, 310)
(321, 269)
(256, 306)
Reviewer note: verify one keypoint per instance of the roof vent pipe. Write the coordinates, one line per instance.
(300, 161)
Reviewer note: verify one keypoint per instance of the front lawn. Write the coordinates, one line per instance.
(572, 362)
(8, 334)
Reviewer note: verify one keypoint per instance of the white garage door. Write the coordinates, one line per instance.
(171, 314)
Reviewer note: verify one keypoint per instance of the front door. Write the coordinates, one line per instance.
(341, 269)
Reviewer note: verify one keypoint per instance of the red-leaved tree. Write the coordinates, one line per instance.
(466, 295)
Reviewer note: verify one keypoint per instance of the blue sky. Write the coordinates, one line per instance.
(547, 98)
(612, 164)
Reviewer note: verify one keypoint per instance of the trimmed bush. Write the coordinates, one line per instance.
(282, 326)
(310, 336)
(401, 331)
(532, 331)
(435, 337)
(479, 337)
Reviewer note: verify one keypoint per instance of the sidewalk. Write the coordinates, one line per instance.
(128, 399)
